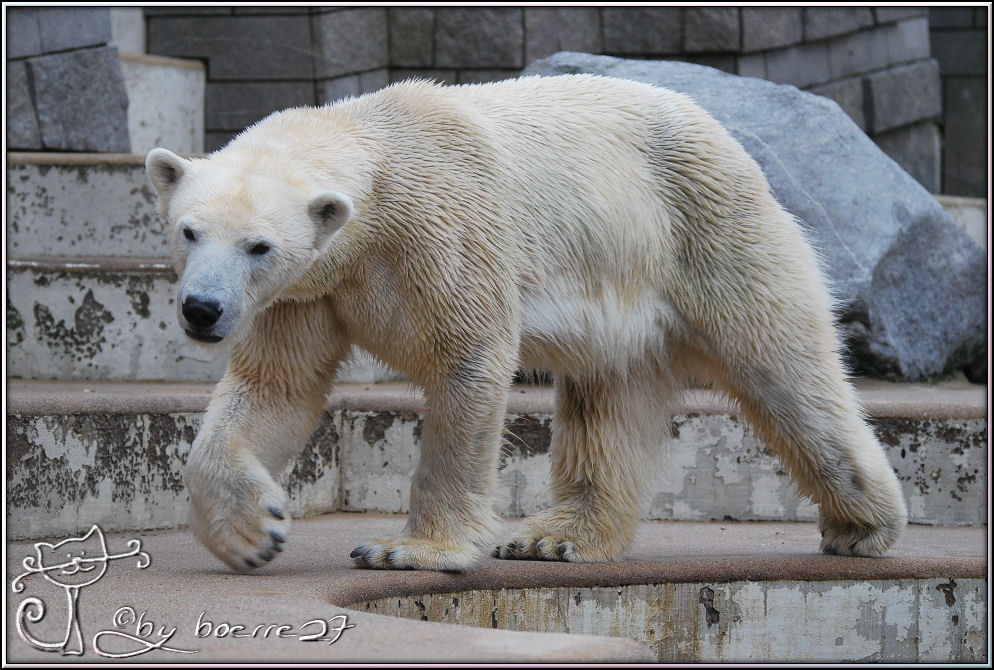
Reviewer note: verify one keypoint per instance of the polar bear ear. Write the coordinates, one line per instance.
(164, 169)
(329, 211)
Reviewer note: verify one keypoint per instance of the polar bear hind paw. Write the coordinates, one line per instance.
(411, 553)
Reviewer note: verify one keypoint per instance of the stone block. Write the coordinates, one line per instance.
(848, 93)
(352, 85)
(907, 41)
(374, 80)
(66, 28)
(552, 29)
(857, 52)
(22, 125)
(279, 9)
(237, 48)
(350, 41)
(752, 65)
(81, 101)
(643, 30)
(770, 27)
(724, 62)
(411, 36)
(802, 65)
(965, 170)
(165, 103)
(710, 29)
(917, 149)
(484, 76)
(902, 95)
(218, 139)
(22, 36)
(491, 37)
(346, 86)
(127, 27)
(188, 10)
(822, 22)
(950, 17)
(430, 74)
(891, 14)
(961, 52)
(235, 105)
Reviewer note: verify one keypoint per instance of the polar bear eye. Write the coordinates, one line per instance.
(189, 234)
(260, 249)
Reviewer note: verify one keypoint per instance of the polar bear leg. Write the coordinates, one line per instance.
(816, 427)
(451, 510)
(259, 417)
(605, 438)
(779, 357)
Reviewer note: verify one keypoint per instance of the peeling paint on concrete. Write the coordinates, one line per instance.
(102, 325)
(125, 472)
(362, 461)
(88, 320)
(780, 621)
(380, 451)
(100, 209)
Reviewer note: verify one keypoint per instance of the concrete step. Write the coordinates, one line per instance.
(165, 102)
(971, 213)
(112, 453)
(112, 319)
(686, 592)
(101, 205)
(81, 205)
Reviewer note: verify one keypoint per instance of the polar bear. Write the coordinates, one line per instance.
(610, 232)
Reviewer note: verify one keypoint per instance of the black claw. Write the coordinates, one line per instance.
(277, 537)
(277, 548)
(266, 556)
(250, 563)
(357, 552)
(275, 511)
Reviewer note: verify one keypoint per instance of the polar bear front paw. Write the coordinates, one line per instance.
(243, 520)
(852, 539)
(557, 535)
(553, 547)
(412, 553)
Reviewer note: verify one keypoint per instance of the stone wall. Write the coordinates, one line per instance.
(875, 62)
(959, 40)
(65, 88)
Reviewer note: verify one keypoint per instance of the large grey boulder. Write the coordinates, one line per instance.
(910, 283)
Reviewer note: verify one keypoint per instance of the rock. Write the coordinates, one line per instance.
(22, 126)
(81, 101)
(909, 281)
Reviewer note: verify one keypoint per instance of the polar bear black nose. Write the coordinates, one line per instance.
(200, 312)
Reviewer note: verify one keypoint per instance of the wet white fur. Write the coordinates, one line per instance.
(608, 231)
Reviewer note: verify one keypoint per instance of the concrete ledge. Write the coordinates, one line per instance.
(945, 400)
(74, 448)
(84, 265)
(60, 158)
(314, 578)
(161, 61)
(56, 158)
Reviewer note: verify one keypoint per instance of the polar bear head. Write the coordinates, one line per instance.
(243, 229)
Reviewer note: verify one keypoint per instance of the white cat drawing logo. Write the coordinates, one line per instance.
(71, 564)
